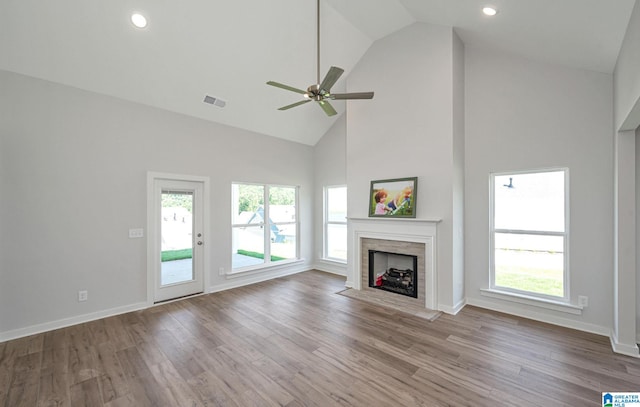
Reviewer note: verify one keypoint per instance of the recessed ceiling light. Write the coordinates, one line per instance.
(139, 20)
(490, 11)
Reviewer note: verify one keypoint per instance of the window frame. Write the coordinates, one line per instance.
(565, 298)
(266, 226)
(326, 222)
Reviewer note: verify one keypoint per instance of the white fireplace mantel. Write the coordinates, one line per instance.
(390, 219)
(397, 229)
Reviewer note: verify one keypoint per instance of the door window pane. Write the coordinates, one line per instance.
(176, 231)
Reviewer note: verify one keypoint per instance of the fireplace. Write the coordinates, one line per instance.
(408, 237)
(393, 272)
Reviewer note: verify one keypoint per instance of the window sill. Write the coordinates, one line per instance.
(533, 301)
(246, 271)
(333, 261)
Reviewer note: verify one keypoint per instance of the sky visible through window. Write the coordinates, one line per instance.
(532, 202)
(337, 204)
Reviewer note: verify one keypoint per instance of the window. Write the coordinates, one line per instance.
(335, 223)
(264, 225)
(529, 233)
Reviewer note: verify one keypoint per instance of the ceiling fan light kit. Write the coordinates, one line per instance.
(321, 91)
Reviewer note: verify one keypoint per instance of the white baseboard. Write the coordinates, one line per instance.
(453, 310)
(65, 322)
(331, 267)
(256, 278)
(508, 308)
(629, 349)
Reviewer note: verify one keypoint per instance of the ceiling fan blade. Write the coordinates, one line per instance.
(328, 109)
(356, 95)
(286, 87)
(302, 102)
(332, 77)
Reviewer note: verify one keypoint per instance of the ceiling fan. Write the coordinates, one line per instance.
(321, 91)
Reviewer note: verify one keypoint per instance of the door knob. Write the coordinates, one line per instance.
(200, 243)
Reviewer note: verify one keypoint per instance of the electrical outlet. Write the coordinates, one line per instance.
(136, 233)
(83, 296)
(583, 301)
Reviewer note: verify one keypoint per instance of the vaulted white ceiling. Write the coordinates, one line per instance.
(229, 49)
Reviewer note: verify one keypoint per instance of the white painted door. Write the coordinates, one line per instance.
(178, 238)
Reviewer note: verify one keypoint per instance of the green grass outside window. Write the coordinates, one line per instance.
(258, 255)
(171, 255)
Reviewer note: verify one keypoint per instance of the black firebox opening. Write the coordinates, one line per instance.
(393, 272)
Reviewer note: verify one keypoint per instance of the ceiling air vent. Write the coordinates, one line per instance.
(212, 100)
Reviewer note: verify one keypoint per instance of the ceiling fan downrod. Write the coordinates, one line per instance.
(321, 91)
(318, 42)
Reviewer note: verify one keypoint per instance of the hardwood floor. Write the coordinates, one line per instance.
(294, 342)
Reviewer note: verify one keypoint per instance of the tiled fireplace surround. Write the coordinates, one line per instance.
(416, 237)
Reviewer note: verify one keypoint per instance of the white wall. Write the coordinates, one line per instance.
(73, 181)
(330, 170)
(407, 130)
(525, 115)
(627, 117)
(627, 77)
